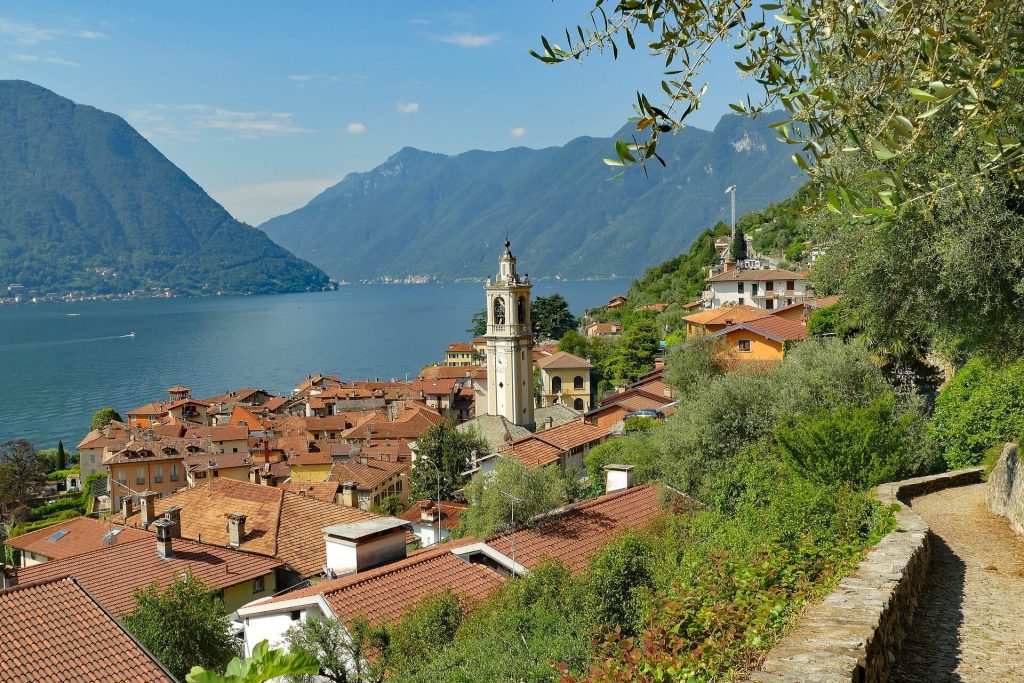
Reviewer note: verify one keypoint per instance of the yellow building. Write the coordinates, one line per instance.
(565, 379)
(148, 465)
(460, 355)
(310, 467)
(364, 482)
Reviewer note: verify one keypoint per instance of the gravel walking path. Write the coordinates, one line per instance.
(969, 624)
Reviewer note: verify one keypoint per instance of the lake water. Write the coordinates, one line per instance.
(57, 369)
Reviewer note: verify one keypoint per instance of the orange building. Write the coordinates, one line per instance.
(717, 319)
(763, 339)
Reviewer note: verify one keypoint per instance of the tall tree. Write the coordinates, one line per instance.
(22, 473)
(478, 323)
(739, 246)
(539, 490)
(264, 665)
(347, 654)
(103, 417)
(184, 626)
(62, 457)
(637, 351)
(442, 455)
(551, 317)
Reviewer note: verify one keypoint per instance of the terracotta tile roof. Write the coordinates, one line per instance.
(310, 459)
(112, 575)
(324, 491)
(333, 423)
(188, 401)
(80, 535)
(218, 433)
(241, 416)
(773, 327)
(108, 436)
(604, 328)
(753, 275)
(638, 402)
(726, 315)
(278, 524)
(216, 461)
(451, 513)
(448, 372)
(653, 307)
(369, 476)
(156, 449)
(563, 360)
(274, 403)
(55, 631)
(460, 347)
(383, 594)
(154, 408)
(574, 535)
(534, 452)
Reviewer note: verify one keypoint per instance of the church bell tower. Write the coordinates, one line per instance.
(509, 340)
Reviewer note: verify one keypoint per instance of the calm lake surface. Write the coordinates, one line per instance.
(57, 369)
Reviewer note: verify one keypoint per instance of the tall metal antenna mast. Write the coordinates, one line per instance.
(732, 190)
(514, 500)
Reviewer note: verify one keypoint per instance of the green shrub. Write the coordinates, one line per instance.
(862, 447)
(982, 405)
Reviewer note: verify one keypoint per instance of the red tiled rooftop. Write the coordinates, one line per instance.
(53, 630)
(113, 574)
(451, 513)
(80, 535)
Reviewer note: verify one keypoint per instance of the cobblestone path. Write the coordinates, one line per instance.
(969, 625)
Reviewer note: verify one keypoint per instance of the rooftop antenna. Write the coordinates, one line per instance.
(732, 190)
(514, 500)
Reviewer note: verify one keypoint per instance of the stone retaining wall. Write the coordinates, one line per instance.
(854, 634)
(1005, 488)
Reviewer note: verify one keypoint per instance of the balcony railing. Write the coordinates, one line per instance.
(517, 330)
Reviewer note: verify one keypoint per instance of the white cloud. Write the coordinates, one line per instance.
(518, 132)
(302, 78)
(29, 34)
(251, 124)
(45, 59)
(408, 107)
(257, 202)
(468, 39)
(184, 122)
(355, 128)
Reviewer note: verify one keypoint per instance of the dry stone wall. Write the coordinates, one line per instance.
(1005, 488)
(854, 634)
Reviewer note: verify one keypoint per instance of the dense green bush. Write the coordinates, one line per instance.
(982, 405)
(858, 446)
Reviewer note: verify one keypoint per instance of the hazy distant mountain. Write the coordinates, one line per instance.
(87, 203)
(421, 213)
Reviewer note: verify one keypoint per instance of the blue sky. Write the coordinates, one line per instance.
(265, 104)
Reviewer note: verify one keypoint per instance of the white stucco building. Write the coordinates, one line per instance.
(769, 289)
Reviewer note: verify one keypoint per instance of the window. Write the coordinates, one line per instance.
(578, 404)
(296, 615)
(769, 304)
(158, 474)
(741, 301)
(140, 475)
(789, 302)
(258, 586)
(122, 477)
(743, 346)
(769, 286)
(92, 458)
(790, 285)
(753, 289)
(174, 472)
(739, 288)
(556, 385)
(577, 382)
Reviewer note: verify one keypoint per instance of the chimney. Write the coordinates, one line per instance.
(127, 507)
(173, 515)
(148, 508)
(428, 512)
(236, 529)
(363, 460)
(8, 577)
(730, 266)
(349, 495)
(363, 545)
(618, 477)
(163, 539)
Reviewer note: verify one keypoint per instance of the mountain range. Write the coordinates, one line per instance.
(86, 203)
(444, 217)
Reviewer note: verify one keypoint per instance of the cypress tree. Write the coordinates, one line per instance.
(62, 457)
(739, 246)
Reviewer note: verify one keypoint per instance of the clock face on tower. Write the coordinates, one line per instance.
(499, 364)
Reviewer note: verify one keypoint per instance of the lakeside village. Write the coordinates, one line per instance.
(291, 507)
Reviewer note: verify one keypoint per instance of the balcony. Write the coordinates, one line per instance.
(514, 330)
